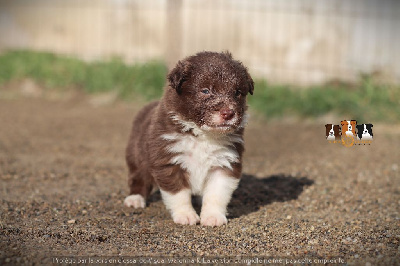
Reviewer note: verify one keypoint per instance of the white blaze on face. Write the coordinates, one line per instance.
(350, 128)
(365, 131)
(365, 134)
(331, 135)
(331, 132)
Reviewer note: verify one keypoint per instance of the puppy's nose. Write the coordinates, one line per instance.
(227, 114)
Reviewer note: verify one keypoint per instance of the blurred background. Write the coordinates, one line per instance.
(308, 57)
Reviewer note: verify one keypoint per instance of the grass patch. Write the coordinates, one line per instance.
(368, 102)
(60, 72)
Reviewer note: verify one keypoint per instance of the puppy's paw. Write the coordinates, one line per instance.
(213, 219)
(136, 201)
(184, 218)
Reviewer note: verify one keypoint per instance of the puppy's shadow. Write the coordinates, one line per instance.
(253, 193)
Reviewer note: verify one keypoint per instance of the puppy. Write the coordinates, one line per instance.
(332, 132)
(364, 132)
(191, 141)
(349, 127)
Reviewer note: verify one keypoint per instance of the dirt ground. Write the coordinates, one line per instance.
(63, 181)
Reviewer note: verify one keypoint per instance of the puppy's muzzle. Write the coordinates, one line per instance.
(227, 114)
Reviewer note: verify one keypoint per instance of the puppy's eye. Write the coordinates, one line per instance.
(238, 93)
(205, 91)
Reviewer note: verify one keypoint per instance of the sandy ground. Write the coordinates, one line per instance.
(63, 181)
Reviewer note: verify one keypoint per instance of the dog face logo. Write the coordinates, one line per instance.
(332, 132)
(364, 132)
(350, 133)
(349, 127)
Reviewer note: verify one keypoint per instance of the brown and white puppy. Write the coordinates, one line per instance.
(332, 132)
(191, 141)
(348, 127)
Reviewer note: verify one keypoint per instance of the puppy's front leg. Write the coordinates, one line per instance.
(180, 206)
(216, 196)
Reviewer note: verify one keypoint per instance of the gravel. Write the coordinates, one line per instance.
(301, 199)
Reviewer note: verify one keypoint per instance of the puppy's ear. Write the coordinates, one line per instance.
(251, 84)
(178, 75)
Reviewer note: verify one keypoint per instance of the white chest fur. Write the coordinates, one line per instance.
(199, 154)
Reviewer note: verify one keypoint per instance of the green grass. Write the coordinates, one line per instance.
(366, 102)
(60, 72)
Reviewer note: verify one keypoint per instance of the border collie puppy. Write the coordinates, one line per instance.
(364, 132)
(332, 132)
(191, 141)
(349, 127)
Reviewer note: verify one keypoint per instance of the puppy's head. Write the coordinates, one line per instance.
(364, 131)
(209, 89)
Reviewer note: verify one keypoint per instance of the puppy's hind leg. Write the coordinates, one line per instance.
(140, 186)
